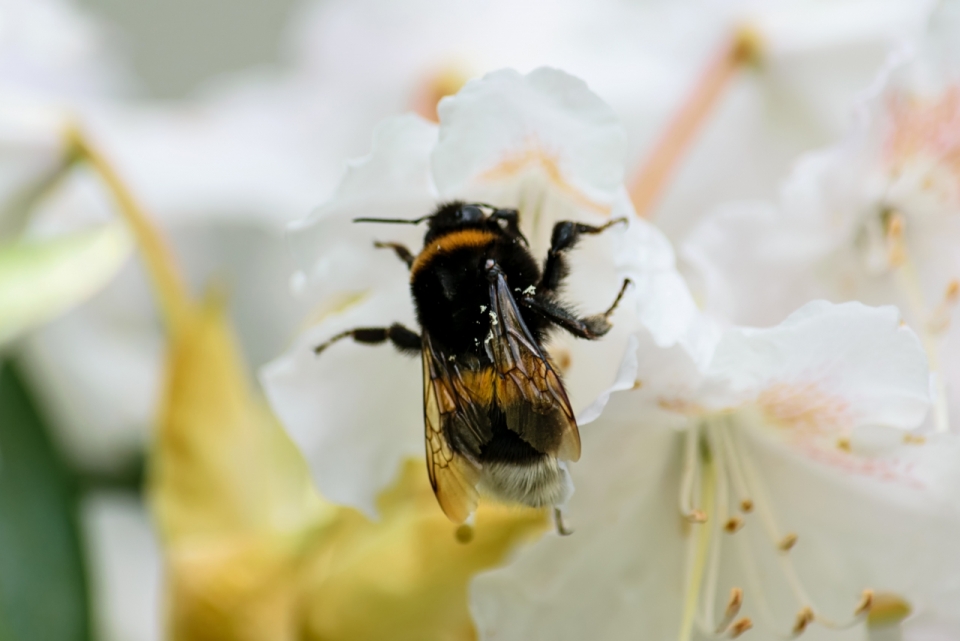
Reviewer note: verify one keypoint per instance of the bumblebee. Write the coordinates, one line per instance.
(496, 415)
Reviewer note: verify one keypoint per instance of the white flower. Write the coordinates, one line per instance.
(642, 58)
(874, 218)
(541, 143)
(783, 477)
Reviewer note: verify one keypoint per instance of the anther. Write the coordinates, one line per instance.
(940, 317)
(786, 543)
(733, 609)
(866, 602)
(746, 506)
(740, 626)
(696, 516)
(914, 439)
(843, 443)
(733, 524)
(952, 294)
(804, 618)
(897, 255)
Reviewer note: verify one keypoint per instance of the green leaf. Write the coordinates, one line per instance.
(42, 278)
(43, 590)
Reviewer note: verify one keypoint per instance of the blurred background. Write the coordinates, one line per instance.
(228, 119)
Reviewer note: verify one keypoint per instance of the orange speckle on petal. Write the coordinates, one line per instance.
(805, 408)
(925, 128)
(534, 156)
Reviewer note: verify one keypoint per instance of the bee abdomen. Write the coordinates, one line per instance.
(538, 483)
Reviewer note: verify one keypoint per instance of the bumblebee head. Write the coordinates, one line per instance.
(457, 215)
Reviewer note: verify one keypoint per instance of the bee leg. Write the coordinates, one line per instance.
(402, 252)
(558, 521)
(591, 327)
(405, 340)
(566, 233)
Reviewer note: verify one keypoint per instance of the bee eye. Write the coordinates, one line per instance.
(469, 214)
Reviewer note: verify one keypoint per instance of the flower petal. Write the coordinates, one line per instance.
(542, 143)
(859, 364)
(356, 411)
(623, 563)
(392, 182)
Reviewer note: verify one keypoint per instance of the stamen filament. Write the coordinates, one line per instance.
(773, 530)
(909, 282)
(718, 468)
(697, 557)
(650, 181)
(736, 469)
(691, 473)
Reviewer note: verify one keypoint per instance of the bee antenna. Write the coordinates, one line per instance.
(404, 221)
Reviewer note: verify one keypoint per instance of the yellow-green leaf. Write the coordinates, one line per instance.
(253, 552)
(40, 279)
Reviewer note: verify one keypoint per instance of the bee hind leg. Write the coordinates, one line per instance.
(589, 327)
(558, 522)
(405, 340)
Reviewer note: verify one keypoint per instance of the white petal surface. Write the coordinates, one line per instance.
(862, 357)
(620, 574)
(392, 182)
(542, 143)
(356, 411)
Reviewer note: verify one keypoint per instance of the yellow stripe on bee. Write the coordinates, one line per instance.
(448, 243)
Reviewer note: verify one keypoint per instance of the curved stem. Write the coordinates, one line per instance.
(168, 284)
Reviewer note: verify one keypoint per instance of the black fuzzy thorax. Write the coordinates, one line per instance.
(452, 295)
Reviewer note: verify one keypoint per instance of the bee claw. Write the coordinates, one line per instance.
(558, 520)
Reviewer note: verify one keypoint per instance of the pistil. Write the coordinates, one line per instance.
(743, 48)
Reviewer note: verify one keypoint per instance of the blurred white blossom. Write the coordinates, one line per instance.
(874, 218)
(642, 58)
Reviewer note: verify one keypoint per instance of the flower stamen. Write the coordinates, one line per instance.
(804, 618)
(940, 318)
(736, 471)
(732, 610)
(733, 524)
(691, 474)
(740, 626)
(787, 542)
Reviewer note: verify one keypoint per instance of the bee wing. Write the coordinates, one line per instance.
(453, 476)
(529, 391)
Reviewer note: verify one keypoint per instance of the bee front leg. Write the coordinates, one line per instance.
(402, 252)
(565, 235)
(405, 340)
